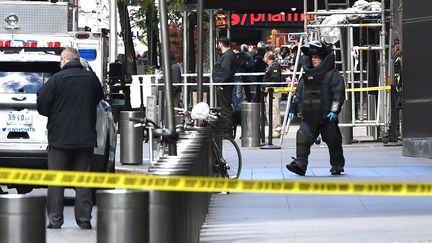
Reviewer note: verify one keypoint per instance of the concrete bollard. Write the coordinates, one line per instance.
(22, 218)
(122, 216)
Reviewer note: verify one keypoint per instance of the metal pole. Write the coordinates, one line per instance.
(75, 16)
(351, 67)
(167, 71)
(383, 72)
(286, 121)
(342, 40)
(185, 58)
(200, 50)
(361, 76)
(113, 31)
(212, 47)
(229, 25)
(270, 122)
(305, 14)
(262, 130)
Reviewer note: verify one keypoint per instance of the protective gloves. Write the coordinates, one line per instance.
(291, 116)
(332, 116)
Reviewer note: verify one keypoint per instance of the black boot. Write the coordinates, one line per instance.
(336, 170)
(296, 167)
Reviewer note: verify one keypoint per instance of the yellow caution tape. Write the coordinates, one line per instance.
(368, 89)
(280, 89)
(288, 89)
(207, 184)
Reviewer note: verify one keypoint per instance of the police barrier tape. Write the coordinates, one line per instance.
(207, 184)
(288, 89)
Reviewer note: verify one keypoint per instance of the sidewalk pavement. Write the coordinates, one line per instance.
(247, 217)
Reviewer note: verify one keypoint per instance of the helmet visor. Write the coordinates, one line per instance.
(315, 48)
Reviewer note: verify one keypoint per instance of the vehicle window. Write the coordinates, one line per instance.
(22, 82)
(25, 77)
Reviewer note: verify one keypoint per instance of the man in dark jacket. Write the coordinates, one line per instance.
(223, 72)
(273, 74)
(69, 99)
(259, 67)
(245, 64)
(319, 97)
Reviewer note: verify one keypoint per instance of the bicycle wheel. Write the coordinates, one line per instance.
(228, 155)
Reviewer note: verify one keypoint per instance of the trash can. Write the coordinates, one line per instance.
(250, 124)
(131, 138)
(122, 216)
(22, 218)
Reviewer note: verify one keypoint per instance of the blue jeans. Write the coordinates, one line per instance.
(237, 97)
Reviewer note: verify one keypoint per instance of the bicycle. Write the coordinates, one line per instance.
(226, 152)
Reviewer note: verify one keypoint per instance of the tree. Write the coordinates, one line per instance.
(130, 58)
(147, 18)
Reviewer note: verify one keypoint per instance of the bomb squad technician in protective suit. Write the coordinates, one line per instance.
(319, 97)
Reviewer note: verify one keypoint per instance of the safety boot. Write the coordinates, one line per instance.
(296, 167)
(336, 170)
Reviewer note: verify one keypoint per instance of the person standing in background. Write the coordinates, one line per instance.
(273, 74)
(69, 99)
(223, 72)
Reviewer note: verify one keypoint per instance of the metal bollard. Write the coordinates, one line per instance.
(345, 117)
(250, 117)
(372, 108)
(270, 144)
(131, 138)
(22, 218)
(122, 216)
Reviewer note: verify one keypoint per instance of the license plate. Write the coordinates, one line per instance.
(19, 118)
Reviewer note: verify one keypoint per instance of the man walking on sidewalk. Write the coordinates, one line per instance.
(319, 97)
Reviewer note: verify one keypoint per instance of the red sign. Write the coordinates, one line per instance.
(251, 19)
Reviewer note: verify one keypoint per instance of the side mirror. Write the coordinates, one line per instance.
(117, 99)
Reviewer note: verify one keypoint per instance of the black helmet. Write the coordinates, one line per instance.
(316, 48)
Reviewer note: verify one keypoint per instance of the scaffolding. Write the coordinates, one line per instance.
(360, 48)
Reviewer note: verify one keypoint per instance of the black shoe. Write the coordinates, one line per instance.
(53, 226)
(293, 167)
(336, 170)
(86, 226)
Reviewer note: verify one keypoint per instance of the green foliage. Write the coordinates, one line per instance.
(139, 16)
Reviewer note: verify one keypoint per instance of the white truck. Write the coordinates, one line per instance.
(29, 55)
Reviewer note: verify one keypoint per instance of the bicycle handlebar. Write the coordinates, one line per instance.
(138, 120)
(216, 109)
(157, 131)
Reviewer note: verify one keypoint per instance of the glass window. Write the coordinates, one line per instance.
(25, 77)
(22, 82)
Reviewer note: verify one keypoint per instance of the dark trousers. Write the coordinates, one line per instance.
(330, 134)
(72, 160)
(224, 100)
